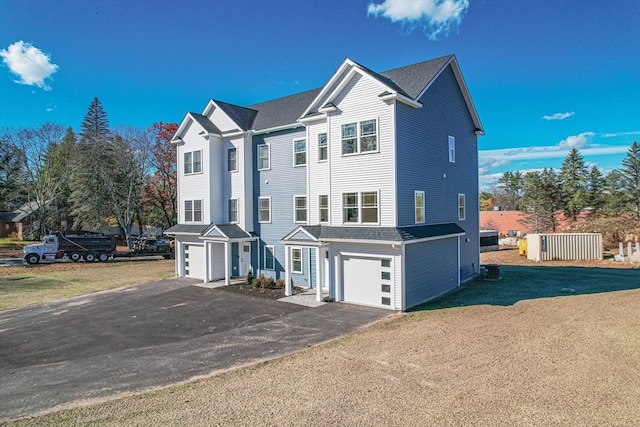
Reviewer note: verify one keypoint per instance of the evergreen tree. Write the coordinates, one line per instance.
(595, 190)
(614, 196)
(509, 192)
(573, 184)
(631, 178)
(91, 157)
(540, 199)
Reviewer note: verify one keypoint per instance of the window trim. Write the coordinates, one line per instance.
(358, 137)
(267, 198)
(236, 210)
(295, 153)
(192, 210)
(295, 209)
(452, 149)
(191, 162)
(321, 208)
(325, 146)
(293, 268)
(360, 206)
(417, 193)
(462, 207)
(273, 257)
(233, 150)
(259, 148)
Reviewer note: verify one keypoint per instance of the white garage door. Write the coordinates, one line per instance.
(194, 261)
(367, 281)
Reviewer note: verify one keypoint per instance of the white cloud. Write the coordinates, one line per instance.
(29, 63)
(577, 141)
(559, 116)
(435, 17)
(615, 135)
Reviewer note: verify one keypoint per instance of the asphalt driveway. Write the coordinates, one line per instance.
(151, 335)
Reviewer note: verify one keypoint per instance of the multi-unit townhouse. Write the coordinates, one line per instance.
(365, 189)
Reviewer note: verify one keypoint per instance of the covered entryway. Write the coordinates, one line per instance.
(367, 280)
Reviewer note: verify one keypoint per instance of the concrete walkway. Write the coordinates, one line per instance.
(148, 336)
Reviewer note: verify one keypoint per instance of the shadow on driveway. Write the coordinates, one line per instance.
(147, 336)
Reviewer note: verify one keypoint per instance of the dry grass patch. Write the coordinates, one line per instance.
(489, 356)
(35, 284)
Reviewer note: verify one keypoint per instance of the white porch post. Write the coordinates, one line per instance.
(227, 260)
(207, 267)
(179, 254)
(319, 273)
(287, 272)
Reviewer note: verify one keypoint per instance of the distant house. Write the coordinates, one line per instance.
(365, 189)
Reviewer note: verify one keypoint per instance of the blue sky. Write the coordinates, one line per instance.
(545, 75)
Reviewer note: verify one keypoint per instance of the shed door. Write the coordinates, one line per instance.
(194, 261)
(367, 280)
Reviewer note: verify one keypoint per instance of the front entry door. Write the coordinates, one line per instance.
(245, 259)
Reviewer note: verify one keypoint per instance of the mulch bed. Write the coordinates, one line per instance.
(244, 289)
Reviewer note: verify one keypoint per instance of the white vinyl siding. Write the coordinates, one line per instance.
(419, 206)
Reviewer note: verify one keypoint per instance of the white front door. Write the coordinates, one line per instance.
(245, 259)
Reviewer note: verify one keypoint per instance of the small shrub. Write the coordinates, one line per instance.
(250, 277)
(280, 284)
(268, 283)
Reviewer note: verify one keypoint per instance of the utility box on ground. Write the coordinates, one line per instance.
(564, 246)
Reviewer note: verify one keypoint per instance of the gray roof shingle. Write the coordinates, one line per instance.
(383, 234)
(242, 116)
(205, 123)
(282, 111)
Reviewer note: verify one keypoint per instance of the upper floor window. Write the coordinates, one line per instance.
(299, 152)
(452, 149)
(193, 162)
(323, 206)
(232, 160)
(263, 157)
(193, 211)
(300, 208)
(360, 137)
(233, 210)
(264, 209)
(461, 207)
(419, 204)
(360, 208)
(322, 146)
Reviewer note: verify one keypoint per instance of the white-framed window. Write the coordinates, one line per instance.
(322, 147)
(461, 207)
(269, 258)
(452, 149)
(232, 160)
(299, 152)
(233, 210)
(296, 260)
(300, 208)
(360, 208)
(193, 211)
(419, 205)
(264, 162)
(360, 137)
(264, 209)
(193, 162)
(323, 207)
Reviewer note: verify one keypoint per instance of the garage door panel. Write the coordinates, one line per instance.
(194, 261)
(367, 281)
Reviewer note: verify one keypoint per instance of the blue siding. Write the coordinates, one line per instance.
(430, 270)
(423, 163)
(281, 183)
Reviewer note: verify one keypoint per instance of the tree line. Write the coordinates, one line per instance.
(100, 176)
(571, 190)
